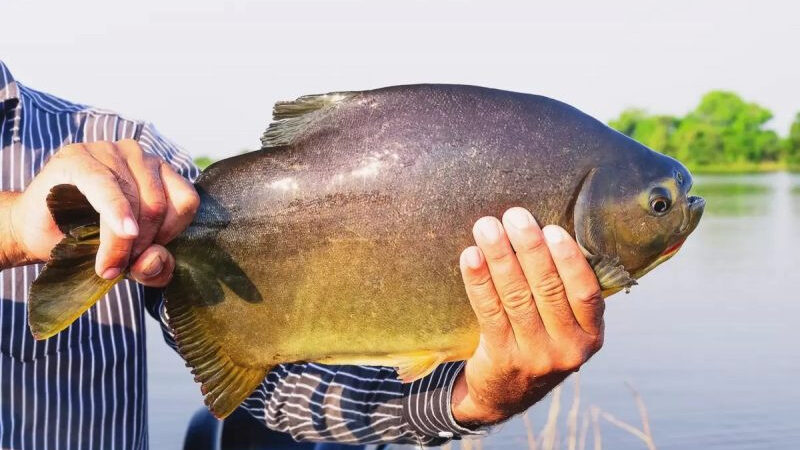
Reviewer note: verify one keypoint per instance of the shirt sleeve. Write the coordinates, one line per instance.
(357, 404)
(154, 143)
(346, 404)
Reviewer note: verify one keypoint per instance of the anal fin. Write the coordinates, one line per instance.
(413, 366)
(225, 384)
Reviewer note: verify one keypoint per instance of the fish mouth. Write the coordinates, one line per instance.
(696, 207)
(695, 211)
(696, 202)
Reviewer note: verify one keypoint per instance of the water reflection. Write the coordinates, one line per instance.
(733, 196)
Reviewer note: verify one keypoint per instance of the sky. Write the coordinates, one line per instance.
(207, 73)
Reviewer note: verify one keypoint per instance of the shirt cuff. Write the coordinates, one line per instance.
(163, 318)
(427, 407)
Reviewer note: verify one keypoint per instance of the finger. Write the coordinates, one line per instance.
(495, 327)
(102, 182)
(146, 173)
(107, 154)
(580, 282)
(540, 271)
(153, 267)
(182, 204)
(114, 252)
(100, 187)
(509, 280)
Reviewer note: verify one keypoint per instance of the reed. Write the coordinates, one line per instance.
(579, 422)
(644, 433)
(572, 415)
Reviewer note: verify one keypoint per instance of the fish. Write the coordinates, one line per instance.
(338, 241)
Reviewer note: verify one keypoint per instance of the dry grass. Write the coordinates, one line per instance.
(644, 433)
(578, 424)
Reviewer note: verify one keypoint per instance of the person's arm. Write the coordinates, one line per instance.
(357, 404)
(142, 201)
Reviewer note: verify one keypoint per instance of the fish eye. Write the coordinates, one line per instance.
(660, 201)
(660, 205)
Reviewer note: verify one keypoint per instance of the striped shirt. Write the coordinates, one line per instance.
(85, 388)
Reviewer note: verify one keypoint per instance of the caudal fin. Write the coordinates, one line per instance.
(68, 284)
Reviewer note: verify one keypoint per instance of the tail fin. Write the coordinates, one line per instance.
(68, 285)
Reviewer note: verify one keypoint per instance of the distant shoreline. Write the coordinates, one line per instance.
(742, 168)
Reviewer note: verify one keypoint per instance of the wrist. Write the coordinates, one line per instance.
(467, 411)
(12, 251)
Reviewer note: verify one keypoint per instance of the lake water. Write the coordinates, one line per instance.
(710, 339)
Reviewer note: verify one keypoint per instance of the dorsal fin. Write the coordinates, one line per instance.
(291, 118)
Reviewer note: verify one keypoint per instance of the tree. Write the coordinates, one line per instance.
(203, 161)
(792, 143)
(731, 130)
(652, 131)
(722, 129)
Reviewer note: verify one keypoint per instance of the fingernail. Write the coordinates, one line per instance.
(153, 267)
(490, 229)
(111, 273)
(129, 227)
(553, 234)
(519, 218)
(472, 258)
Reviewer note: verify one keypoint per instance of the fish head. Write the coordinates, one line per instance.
(636, 213)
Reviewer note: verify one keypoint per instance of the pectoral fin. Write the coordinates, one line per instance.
(413, 366)
(611, 274)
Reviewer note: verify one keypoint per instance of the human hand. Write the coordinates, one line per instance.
(143, 204)
(540, 313)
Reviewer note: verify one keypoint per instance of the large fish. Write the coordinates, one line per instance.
(338, 241)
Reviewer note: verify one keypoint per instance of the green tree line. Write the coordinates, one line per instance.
(723, 133)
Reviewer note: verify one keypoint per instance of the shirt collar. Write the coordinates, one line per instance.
(9, 101)
(9, 94)
(8, 88)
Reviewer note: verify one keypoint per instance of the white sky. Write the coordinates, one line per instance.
(207, 73)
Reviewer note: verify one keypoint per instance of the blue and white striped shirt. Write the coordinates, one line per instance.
(86, 387)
